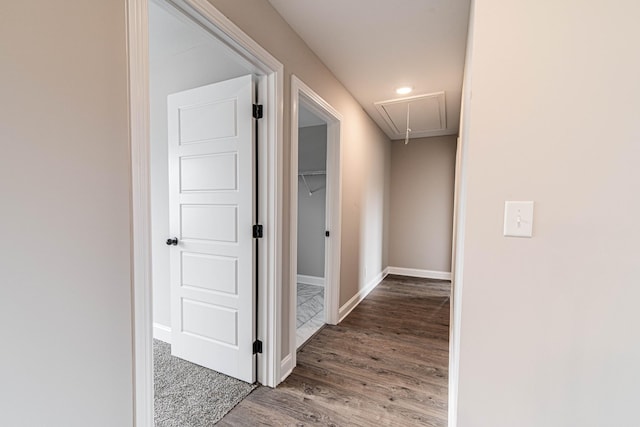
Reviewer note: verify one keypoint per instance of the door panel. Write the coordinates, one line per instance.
(209, 321)
(208, 121)
(211, 179)
(214, 273)
(215, 223)
(209, 173)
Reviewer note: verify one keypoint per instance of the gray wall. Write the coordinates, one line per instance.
(365, 151)
(550, 331)
(422, 184)
(65, 290)
(175, 65)
(312, 156)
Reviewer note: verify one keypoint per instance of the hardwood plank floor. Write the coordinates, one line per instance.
(384, 365)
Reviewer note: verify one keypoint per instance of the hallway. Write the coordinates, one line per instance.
(385, 364)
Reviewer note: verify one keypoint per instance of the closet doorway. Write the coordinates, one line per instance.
(315, 214)
(312, 232)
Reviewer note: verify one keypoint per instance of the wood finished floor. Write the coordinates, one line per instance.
(384, 365)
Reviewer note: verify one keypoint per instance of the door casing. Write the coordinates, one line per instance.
(270, 93)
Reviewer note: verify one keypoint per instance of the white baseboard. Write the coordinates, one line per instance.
(310, 280)
(357, 298)
(425, 274)
(162, 332)
(286, 367)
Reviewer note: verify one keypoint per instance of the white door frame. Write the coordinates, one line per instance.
(301, 93)
(459, 228)
(270, 94)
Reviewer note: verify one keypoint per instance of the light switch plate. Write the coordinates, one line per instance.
(518, 219)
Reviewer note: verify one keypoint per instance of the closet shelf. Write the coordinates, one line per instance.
(312, 173)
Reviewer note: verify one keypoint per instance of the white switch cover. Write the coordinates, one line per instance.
(518, 219)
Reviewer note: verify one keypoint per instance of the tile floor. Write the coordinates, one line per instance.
(310, 312)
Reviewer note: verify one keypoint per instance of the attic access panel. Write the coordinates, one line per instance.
(427, 116)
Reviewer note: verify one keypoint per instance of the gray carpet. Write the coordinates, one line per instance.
(188, 395)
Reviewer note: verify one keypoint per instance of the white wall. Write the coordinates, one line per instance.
(422, 180)
(312, 156)
(182, 56)
(65, 276)
(550, 330)
(365, 151)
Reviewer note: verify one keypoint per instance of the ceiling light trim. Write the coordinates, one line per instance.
(404, 90)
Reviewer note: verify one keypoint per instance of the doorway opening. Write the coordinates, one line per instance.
(203, 199)
(312, 232)
(315, 216)
(178, 51)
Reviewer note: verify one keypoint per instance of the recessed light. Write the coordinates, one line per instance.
(404, 90)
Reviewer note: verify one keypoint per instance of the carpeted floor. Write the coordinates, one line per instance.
(188, 395)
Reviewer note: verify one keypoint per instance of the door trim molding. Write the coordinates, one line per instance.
(142, 308)
(270, 90)
(301, 93)
(459, 227)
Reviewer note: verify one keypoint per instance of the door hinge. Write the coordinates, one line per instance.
(257, 231)
(257, 347)
(257, 111)
(327, 234)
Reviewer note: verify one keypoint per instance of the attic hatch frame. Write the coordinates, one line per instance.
(271, 94)
(400, 133)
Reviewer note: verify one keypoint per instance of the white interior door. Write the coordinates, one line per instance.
(211, 185)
